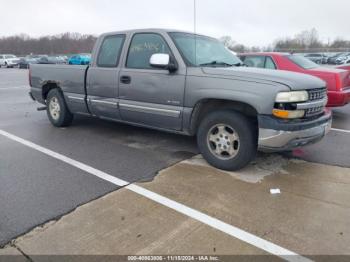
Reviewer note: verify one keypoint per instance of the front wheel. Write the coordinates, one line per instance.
(57, 110)
(227, 140)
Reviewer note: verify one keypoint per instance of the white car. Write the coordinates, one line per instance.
(8, 60)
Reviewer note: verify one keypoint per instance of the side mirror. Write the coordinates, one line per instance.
(162, 61)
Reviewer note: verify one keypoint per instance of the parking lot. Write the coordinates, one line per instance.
(58, 186)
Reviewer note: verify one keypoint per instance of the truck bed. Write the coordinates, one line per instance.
(70, 78)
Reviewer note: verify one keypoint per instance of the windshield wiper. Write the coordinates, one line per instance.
(216, 63)
(240, 64)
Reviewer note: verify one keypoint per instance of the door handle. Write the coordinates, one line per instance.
(125, 79)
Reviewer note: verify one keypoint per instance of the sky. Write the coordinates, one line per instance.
(249, 22)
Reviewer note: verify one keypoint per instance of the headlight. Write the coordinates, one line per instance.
(290, 97)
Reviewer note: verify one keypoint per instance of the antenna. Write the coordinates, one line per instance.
(195, 29)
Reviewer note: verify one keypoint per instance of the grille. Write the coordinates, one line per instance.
(314, 95)
(314, 111)
(317, 94)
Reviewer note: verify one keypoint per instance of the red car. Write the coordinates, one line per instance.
(346, 67)
(338, 80)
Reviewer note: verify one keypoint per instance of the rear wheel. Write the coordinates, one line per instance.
(57, 110)
(227, 140)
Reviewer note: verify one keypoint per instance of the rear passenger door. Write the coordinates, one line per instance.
(150, 96)
(103, 78)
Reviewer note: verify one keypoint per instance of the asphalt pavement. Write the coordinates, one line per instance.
(35, 189)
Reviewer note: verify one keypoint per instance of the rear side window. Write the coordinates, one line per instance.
(269, 64)
(255, 61)
(110, 51)
(142, 47)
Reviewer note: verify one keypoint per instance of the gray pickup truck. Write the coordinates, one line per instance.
(187, 84)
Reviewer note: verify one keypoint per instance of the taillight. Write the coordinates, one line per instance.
(338, 82)
(30, 76)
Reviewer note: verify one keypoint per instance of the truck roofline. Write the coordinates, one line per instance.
(153, 30)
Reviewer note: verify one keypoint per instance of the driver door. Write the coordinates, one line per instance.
(150, 96)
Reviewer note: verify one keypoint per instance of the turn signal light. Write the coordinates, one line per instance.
(287, 114)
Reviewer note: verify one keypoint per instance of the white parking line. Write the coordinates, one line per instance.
(190, 212)
(341, 130)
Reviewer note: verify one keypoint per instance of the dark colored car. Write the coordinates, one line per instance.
(317, 58)
(25, 62)
(343, 59)
(51, 60)
(338, 59)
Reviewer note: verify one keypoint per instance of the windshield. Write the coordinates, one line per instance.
(10, 56)
(302, 61)
(204, 51)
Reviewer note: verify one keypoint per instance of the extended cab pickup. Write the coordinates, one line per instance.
(187, 84)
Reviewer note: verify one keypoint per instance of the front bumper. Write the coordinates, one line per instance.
(275, 136)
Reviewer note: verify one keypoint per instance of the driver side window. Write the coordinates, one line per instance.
(142, 47)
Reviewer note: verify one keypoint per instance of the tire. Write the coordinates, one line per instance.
(231, 130)
(57, 110)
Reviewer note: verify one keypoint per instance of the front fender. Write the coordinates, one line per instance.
(260, 96)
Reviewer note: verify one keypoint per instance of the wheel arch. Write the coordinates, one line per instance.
(48, 86)
(206, 106)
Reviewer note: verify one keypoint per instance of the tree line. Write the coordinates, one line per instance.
(70, 43)
(67, 43)
(305, 41)
(310, 40)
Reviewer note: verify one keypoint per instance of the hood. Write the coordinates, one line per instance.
(295, 81)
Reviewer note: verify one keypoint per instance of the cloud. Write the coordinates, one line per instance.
(251, 22)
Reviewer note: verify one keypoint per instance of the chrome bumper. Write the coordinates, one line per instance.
(276, 140)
